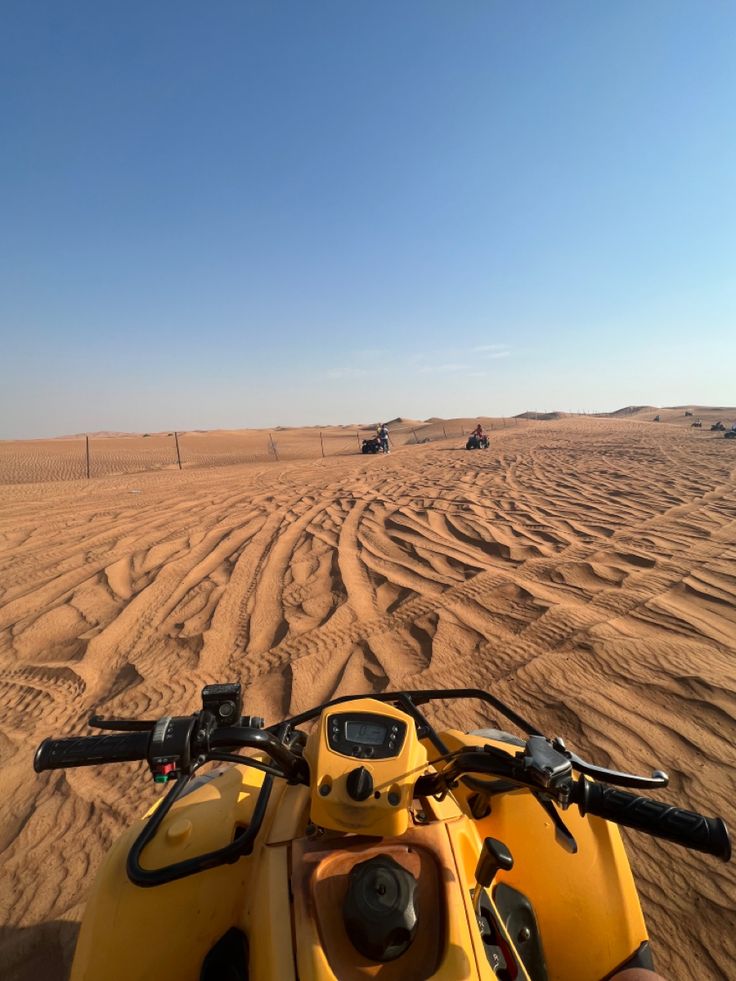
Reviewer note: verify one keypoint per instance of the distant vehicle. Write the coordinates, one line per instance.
(718, 427)
(697, 424)
(731, 434)
(688, 413)
(477, 442)
(372, 445)
(656, 419)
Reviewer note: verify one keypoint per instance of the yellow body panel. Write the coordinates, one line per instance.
(585, 904)
(267, 917)
(131, 933)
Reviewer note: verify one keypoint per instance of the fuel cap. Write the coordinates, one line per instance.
(379, 912)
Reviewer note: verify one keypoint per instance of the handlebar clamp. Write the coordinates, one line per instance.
(543, 765)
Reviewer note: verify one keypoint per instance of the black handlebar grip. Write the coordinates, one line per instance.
(703, 834)
(55, 754)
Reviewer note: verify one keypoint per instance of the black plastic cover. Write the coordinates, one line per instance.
(642, 958)
(521, 925)
(228, 959)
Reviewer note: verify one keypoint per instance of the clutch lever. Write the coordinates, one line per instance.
(122, 725)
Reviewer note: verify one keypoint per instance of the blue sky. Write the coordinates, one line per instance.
(258, 213)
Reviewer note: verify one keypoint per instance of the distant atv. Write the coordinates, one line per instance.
(731, 434)
(372, 445)
(697, 424)
(477, 442)
(718, 427)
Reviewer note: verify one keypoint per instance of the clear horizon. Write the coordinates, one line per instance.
(259, 215)
(365, 423)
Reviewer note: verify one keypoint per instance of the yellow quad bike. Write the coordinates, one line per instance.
(376, 846)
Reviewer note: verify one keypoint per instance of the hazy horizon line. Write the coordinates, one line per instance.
(169, 430)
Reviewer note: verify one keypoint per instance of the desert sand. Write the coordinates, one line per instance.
(65, 458)
(583, 569)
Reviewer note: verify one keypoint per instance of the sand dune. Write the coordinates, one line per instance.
(65, 457)
(583, 569)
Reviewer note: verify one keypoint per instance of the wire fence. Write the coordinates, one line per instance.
(86, 457)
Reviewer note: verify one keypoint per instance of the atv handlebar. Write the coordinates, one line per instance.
(178, 747)
(175, 746)
(654, 817)
(294, 766)
(547, 773)
(56, 754)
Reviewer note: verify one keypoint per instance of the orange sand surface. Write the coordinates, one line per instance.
(583, 569)
(65, 458)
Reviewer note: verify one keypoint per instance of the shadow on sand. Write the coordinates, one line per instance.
(38, 953)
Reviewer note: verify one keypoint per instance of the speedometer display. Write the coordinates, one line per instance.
(365, 735)
(364, 732)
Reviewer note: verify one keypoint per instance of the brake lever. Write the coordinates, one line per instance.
(615, 777)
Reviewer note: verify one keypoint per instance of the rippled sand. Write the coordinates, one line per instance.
(582, 569)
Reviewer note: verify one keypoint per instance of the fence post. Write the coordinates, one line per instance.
(444, 430)
(416, 438)
(178, 455)
(357, 436)
(87, 440)
(273, 447)
(322, 444)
